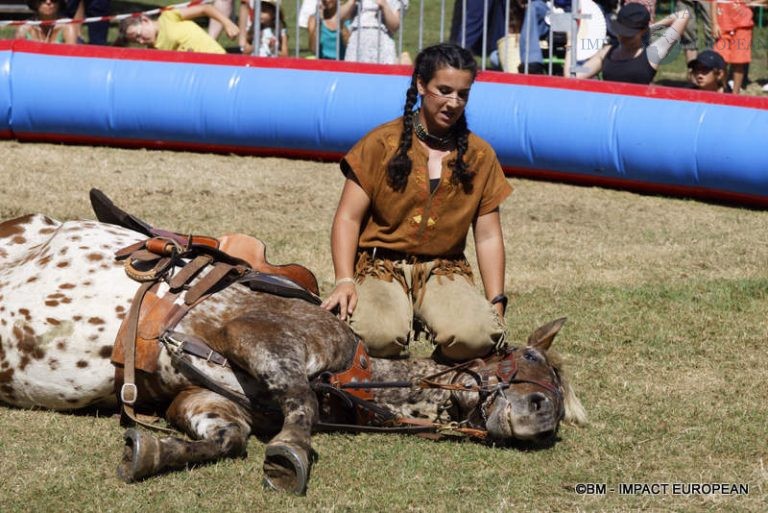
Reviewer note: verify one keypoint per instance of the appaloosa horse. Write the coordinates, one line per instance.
(63, 298)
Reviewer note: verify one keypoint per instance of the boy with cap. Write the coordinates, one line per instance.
(707, 71)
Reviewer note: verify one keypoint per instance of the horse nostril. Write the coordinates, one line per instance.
(537, 401)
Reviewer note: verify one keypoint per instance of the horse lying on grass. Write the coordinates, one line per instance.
(239, 361)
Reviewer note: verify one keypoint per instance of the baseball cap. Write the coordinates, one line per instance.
(632, 18)
(709, 59)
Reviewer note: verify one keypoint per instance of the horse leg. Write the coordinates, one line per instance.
(220, 429)
(280, 366)
(288, 456)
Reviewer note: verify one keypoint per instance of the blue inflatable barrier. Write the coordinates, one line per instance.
(653, 139)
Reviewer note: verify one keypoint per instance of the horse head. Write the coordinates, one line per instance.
(524, 392)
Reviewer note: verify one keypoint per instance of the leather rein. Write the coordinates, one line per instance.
(490, 379)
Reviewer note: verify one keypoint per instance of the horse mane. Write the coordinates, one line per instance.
(574, 410)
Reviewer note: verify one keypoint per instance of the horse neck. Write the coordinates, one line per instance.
(410, 402)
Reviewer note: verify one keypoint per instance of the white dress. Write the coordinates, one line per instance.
(369, 39)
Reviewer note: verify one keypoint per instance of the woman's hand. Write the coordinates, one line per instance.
(343, 297)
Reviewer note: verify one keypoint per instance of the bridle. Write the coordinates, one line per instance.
(490, 377)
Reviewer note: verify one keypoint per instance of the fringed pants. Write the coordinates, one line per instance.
(439, 293)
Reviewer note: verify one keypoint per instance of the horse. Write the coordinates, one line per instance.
(270, 366)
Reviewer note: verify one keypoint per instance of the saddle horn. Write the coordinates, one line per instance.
(108, 212)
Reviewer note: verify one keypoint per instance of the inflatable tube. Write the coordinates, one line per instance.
(652, 139)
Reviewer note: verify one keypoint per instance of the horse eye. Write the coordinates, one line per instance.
(531, 357)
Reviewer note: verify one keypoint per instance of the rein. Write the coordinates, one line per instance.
(504, 373)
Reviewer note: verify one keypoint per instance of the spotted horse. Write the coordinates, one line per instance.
(238, 361)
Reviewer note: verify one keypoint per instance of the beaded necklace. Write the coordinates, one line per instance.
(434, 141)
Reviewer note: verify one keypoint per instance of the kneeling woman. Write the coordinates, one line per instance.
(413, 188)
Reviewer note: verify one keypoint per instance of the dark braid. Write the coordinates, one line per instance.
(428, 61)
(399, 167)
(460, 173)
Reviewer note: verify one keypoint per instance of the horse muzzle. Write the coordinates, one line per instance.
(531, 417)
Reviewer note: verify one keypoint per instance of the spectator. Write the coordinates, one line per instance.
(79, 9)
(630, 60)
(469, 32)
(173, 30)
(373, 24)
(269, 26)
(732, 28)
(700, 11)
(535, 28)
(47, 10)
(707, 71)
(506, 56)
(329, 36)
(414, 186)
(214, 26)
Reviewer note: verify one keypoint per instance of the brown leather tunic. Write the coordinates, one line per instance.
(416, 221)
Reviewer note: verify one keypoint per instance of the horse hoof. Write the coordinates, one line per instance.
(286, 468)
(140, 456)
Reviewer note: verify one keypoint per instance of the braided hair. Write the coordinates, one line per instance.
(428, 62)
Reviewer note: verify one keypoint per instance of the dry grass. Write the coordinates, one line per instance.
(666, 300)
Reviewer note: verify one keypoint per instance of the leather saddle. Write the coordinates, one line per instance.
(284, 280)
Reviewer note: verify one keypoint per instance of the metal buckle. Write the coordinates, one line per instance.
(126, 390)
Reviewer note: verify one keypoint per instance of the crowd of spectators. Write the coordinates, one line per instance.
(635, 44)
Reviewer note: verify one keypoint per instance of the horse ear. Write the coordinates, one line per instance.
(542, 337)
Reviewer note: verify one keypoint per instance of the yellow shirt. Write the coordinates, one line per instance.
(416, 221)
(175, 33)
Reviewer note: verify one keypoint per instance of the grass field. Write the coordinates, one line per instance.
(666, 300)
(437, 14)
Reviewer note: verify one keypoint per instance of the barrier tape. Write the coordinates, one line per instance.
(93, 19)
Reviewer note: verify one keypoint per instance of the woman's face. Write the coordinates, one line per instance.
(444, 98)
(143, 32)
(48, 9)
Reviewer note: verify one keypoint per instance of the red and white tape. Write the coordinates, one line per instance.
(115, 17)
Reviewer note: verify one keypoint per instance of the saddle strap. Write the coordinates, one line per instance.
(129, 392)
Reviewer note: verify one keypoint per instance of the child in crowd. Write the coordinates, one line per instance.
(47, 10)
(707, 71)
(373, 24)
(270, 24)
(329, 31)
(732, 28)
(173, 30)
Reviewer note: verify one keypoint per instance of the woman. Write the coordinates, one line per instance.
(631, 60)
(47, 11)
(413, 188)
